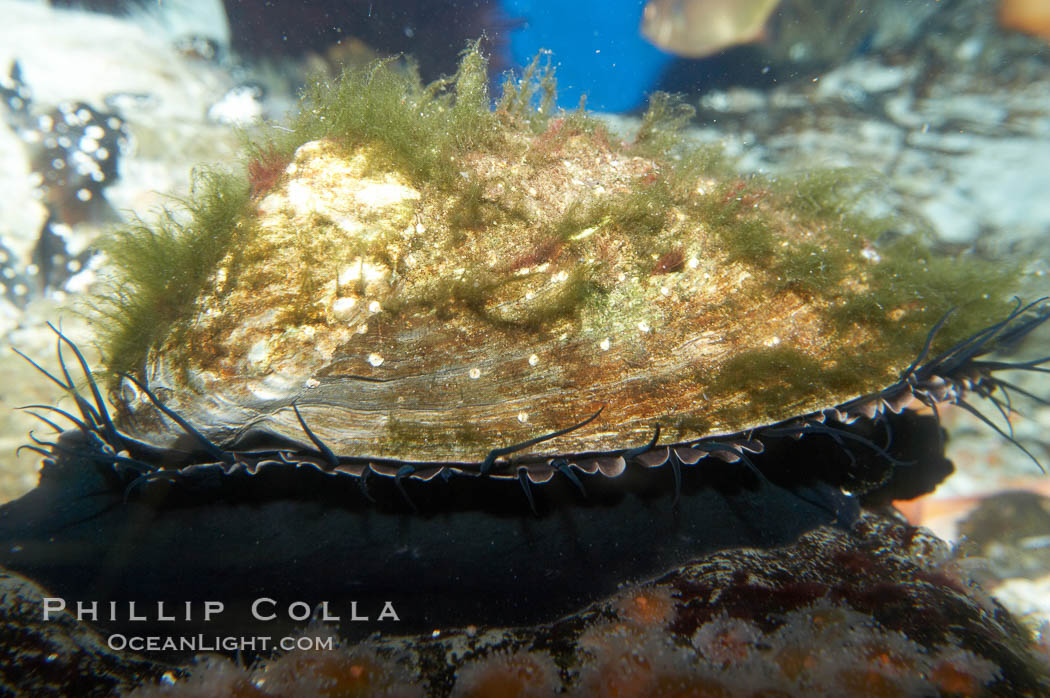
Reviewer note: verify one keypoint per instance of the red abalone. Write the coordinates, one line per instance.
(432, 282)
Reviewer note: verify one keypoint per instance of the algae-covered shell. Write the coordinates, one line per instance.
(428, 280)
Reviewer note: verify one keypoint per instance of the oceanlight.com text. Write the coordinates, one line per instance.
(218, 643)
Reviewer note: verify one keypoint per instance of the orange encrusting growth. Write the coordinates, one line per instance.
(1028, 16)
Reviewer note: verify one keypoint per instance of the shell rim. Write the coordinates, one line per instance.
(947, 378)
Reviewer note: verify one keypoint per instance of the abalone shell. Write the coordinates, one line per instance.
(436, 283)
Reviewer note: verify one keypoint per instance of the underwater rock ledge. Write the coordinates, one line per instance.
(878, 610)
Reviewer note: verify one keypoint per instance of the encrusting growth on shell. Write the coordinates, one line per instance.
(426, 269)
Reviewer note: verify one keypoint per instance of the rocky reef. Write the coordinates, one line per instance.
(878, 611)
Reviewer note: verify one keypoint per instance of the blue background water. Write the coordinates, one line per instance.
(596, 46)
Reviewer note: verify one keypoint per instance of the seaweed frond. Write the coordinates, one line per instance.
(157, 270)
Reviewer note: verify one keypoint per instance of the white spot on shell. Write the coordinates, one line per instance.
(381, 194)
(605, 344)
(343, 308)
(474, 373)
(375, 359)
(643, 326)
(374, 307)
(258, 352)
(271, 387)
(533, 360)
(694, 262)
(361, 269)
(312, 383)
(523, 416)
(772, 341)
